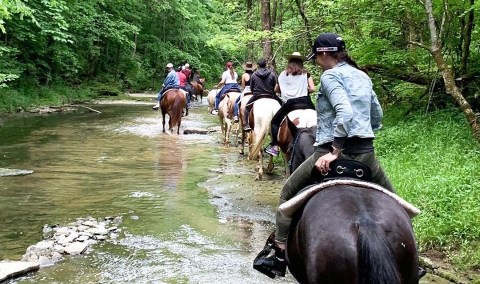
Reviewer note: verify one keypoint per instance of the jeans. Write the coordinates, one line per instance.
(226, 88)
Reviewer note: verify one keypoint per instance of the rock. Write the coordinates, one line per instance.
(14, 172)
(9, 269)
(89, 223)
(83, 238)
(76, 248)
(197, 131)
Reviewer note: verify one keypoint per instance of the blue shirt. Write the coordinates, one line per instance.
(347, 106)
(171, 81)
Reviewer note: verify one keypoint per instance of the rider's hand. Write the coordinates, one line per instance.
(323, 163)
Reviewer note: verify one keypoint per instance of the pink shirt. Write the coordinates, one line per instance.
(182, 79)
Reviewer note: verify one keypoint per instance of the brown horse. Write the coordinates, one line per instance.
(197, 88)
(172, 103)
(297, 127)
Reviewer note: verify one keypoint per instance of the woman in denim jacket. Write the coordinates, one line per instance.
(348, 112)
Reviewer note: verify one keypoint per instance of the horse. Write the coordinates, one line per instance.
(211, 98)
(172, 103)
(261, 115)
(347, 233)
(225, 114)
(197, 88)
(241, 113)
(298, 127)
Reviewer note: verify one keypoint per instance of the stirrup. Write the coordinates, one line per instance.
(271, 260)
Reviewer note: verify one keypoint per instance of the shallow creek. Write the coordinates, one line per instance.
(191, 210)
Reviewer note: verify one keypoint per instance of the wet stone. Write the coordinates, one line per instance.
(10, 269)
(14, 172)
(75, 248)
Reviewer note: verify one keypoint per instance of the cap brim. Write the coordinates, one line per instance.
(310, 56)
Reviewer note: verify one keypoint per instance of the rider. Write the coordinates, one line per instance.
(262, 84)
(248, 67)
(182, 83)
(229, 82)
(294, 86)
(170, 82)
(186, 70)
(348, 112)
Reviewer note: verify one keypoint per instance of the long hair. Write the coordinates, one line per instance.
(295, 67)
(232, 72)
(343, 56)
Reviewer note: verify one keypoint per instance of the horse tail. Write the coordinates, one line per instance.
(259, 138)
(376, 259)
(177, 108)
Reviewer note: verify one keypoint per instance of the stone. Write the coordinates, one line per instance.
(10, 269)
(14, 172)
(75, 248)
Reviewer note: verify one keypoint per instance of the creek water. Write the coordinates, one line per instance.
(179, 226)
(191, 210)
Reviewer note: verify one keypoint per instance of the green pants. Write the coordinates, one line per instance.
(301, 178)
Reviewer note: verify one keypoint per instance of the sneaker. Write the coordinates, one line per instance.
(247, 128)
(272, 150)
(155, 107)
(235, 119)
(214, 112)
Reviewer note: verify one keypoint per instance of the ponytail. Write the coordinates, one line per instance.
(232, 73)
(343, 56)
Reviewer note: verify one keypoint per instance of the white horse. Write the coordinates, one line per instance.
(225, 114)
(211, 98)
(263, 111)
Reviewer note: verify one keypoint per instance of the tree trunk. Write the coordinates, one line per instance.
(250, 27)
(467, 38)
(301, 9)
(447, 73)
(267, 28)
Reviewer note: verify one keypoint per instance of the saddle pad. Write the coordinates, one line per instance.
(291, 206)
(303, 118)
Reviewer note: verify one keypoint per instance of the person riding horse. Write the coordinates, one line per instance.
(294, 87)
(348, 113)
(171, 82)
(262, 84)
(248, 67)
(229, 82)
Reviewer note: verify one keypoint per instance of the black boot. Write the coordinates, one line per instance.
(421, 272)
(271, 260)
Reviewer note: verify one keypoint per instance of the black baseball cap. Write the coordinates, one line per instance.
(327, 42)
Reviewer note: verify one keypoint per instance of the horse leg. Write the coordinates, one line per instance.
(242, 141)
(227, 134)
(260, 167)
(163, 122)
(270, 165)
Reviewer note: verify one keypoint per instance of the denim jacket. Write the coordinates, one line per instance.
(347, 106)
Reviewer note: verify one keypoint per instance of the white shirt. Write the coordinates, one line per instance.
(227, 77)
(292, 86)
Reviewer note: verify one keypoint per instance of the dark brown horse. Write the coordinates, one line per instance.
(172, 103)
(197, 88)
(346, 234)
(296, 136)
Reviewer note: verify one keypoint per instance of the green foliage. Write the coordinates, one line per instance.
(433, 162)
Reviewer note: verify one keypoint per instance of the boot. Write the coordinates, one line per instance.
(271, 260)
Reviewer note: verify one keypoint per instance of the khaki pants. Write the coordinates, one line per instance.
(301, 178)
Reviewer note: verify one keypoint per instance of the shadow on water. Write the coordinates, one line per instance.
(189, 214)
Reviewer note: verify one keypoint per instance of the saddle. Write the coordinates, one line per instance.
(342, 168)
